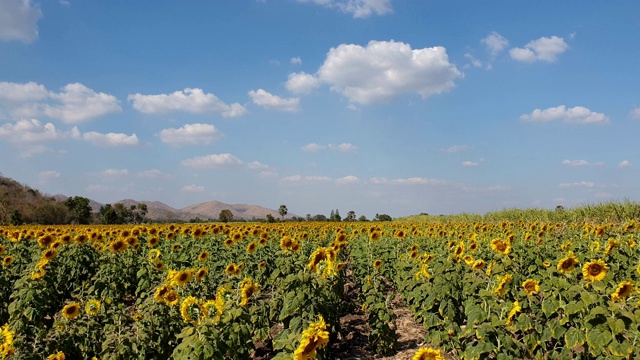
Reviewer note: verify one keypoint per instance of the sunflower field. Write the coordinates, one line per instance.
(502, 290)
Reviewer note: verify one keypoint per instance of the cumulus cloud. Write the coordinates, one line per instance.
(313, 147)
(190, 134)
(357, 8)
(495, 43)
(273, 102)
(296, 60)
(192, 189)
(406, 181)
(347, 180)
(635, 113)
(469, 163)
(78, 103)
(575, 115)
(212, 161)
(383, 70)
(543, 49)
(586, 184)
(33, 131)
(19, 20)
(191, 100)
(151, 174)
(580, 163)
(624, 164)
(301, 83)
(110, 139)
(75, 103)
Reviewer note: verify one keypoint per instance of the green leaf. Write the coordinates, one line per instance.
(475, 315)
(573, 307)
(598, 338)
(617, 326)
(556, 329)
(574, 337)
(621, 349)
(550, 306)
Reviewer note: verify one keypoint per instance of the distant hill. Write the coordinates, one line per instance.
(36, 207)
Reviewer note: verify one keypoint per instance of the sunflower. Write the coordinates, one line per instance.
(428, 354)
(92, 307)
(514, 310)
(501, 247)
(71, 311)
(171, 298)
(154, 255)
(286, 242)
(313, 338)
(232, 269)
(7, 260)
(501, 289)
(202, 272)
(118, 246)
(546, 263)
(468, 259)
(45, 240)
(595, 270)
(319, 255)
(611, 244)
(182, 277)
(153, 241)
(295, 247)
(161, 292)
(2, 249)
(49, 254)
(6, 348)
(159, 265)
(374, 236)
(594, 247)
(57, 356)
(377, 264)
(623, 290)
(262, 241)
(204, 255)
(459, 250)
(185, 307)
(568, 263)
(413, 254)
(176, 246)
(247, 288)
(478, 264)
(473, 246)
(531, 286)
(262, 265)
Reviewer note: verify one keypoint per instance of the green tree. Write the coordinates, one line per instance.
(226, 215)
(79, 208)
(283, 211)
(270, 218)
(16, 217)
(351, 216)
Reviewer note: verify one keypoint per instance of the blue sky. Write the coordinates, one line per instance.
(375, 106)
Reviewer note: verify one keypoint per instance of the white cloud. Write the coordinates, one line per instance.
(386, 69)
(212, 161)
(543, 49)
(299, 179)
(313, 147)
(192, 189)
(296, 60)
(44, 177)
(189, 100)
(78, 103)
(256, 165)
(635, 113)
(347, 180)
(15, 92)
(344, 147)
(268, 174)
(114, 172)
(474, 62)
(587, 184)
(274, 102)
(19, 20)
(624, 164)
(407, 181)
(575, 115)
(357, 8)
(495, 43)
(190, 134)
(456, 148)
(75, 103)
(32, 131)
(301, 83)
(469, 163)
(580, 163)
(110, 139)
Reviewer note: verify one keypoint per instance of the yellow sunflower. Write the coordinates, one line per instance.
(315, 337)
(501, 289)
(514, 310)
(478, 264)
(428, 354)
(247, 288)
(71, 311)
(92, 308)
(57, 356)
(377, 264)
(623, 291)
(7, 260)
(251, 247)
(501, 247)
(568, 263)
(202, 272)
(531, 286)
(595, 270)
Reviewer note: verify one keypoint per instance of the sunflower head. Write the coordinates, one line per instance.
(92, 307)
(623, 291)
(568, 263)
(71, 311)
(377, 264)
(531, 286)
(201, 273)
(204, 255)
(595, 270)
(428, 354)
